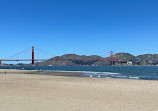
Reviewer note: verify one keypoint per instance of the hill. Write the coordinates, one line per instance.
(71, 60)
(148, 59)
(94, 60)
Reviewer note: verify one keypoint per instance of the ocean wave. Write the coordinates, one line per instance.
(132, 77)
(85, 72)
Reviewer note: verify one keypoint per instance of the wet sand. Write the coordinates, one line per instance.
(27, 91)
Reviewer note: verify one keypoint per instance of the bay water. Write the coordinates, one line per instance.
(122, 72)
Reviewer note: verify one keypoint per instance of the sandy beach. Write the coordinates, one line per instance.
(23, 91)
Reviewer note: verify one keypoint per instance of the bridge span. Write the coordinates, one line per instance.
(111, 58)
(33, 58)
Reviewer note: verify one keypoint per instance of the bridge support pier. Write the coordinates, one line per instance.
(1, 62)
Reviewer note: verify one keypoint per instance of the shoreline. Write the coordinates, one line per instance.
(83, 74)
(138, 73)
(40, 72)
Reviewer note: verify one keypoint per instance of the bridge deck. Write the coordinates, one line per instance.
(27, 60)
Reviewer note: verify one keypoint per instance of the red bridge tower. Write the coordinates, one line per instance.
(112, 58)
(33, 56)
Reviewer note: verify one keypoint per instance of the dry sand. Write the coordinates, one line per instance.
(31, 92)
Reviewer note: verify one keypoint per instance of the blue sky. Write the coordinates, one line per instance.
(86, 27)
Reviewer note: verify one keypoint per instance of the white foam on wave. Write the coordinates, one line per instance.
(98, 74)
(86, 72)
(122, 76)
(132, 77)
(107, 77)
(112, 73)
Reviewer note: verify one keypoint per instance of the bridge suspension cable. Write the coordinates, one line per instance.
(111, 58)
(48, 53)
(18, 53)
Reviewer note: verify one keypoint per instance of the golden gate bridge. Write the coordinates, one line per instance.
(33, 60)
